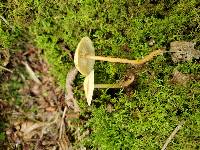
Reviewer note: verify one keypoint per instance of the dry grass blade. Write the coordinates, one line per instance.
(62, 123)
(1, 67)
(173, 134)
(31, 73)
(6, 22)
(64, 142)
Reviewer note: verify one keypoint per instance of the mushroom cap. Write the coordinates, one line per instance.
(84, 48)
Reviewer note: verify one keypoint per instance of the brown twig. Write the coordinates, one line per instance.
(172, 135)
(69, 89)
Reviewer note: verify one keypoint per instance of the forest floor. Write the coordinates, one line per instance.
(42, 101)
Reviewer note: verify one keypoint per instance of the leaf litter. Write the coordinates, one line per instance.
(41, 120)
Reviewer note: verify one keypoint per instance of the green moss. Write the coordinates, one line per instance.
(154, 107)
(147, 118)
(189, 67)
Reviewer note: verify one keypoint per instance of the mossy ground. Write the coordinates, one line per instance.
(147, 116)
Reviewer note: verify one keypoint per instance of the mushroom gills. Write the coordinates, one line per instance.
(89, 86)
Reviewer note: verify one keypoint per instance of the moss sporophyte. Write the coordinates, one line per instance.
(84, 60)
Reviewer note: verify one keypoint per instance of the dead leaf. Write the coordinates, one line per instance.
(183, 51)
(29, 129)
(180, 78)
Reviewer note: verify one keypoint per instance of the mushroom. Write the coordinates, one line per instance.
(89, 85)
(84, 60)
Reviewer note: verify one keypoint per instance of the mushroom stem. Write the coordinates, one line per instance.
(117, 85)
(106, 86)
(120, 60)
